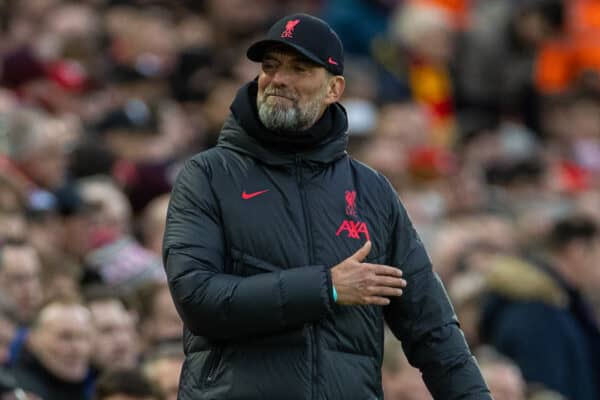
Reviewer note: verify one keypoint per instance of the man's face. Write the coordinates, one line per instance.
(505, 382)
(292, 91)
(165, 372)
(62, 340)
(20, 279)
(47, 163)
(405, 384)
(165, 323)
(115, 340)
(12, 225)
(76, 230)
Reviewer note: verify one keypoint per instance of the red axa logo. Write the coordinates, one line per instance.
(289, 28)
(354, 229)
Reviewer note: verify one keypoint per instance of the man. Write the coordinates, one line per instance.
(20, 279)
(126, 384)
(37, 155)
(153, 223)
(116, 341)
(158, 320)
(116, 256)
(283, 255)
(55, 361)
(536, 312)
(502, 375)
(163, 367)
(400, 381)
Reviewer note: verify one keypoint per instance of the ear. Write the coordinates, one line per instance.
(335, 88)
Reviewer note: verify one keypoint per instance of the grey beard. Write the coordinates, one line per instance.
(278, 117)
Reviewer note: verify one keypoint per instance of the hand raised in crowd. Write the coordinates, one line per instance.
(357, 282)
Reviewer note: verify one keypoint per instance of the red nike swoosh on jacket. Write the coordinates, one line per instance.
(247, 196)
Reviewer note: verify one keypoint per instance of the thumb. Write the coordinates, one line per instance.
(363, 252)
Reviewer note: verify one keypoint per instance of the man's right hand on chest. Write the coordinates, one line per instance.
(357, 282)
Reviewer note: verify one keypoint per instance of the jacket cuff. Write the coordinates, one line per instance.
(332, 306)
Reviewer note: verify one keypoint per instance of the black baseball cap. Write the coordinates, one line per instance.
(310, 36)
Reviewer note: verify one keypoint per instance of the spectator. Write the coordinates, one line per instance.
(466, 291)
(56, 358)
(153, 224)
(164, 368)
(543, 299)
(35, 150)
(400, 380)
(158, 319)
(506, 54)
(116, 341)
(506, 381)
(502, 376)
(20, 279)
(61, 281)
(415, 64)
(126, 384)
(119, 260)
(13, 226)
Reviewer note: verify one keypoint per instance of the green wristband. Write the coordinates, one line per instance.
(334, 294)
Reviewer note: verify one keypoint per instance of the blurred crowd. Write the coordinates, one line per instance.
(484, 114)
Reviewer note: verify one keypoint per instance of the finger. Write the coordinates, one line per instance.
(389, 281)
(379, 269)
(384, 291)
(363, 252)
(376, 300)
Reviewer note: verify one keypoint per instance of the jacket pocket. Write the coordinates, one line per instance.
(247, 265)
(209, 369)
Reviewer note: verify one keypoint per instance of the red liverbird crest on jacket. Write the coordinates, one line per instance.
(352, 227)
(351, 203)
(289, 28)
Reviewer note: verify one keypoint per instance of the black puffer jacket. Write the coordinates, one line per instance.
(250, 237)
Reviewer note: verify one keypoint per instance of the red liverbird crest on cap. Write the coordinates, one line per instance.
(289, 28)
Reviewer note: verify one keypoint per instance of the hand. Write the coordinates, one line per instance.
(363, 283)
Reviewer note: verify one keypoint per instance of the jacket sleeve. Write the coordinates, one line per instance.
(217, 305)
(424, 321)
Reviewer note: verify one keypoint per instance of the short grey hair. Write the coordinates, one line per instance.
(23, 131)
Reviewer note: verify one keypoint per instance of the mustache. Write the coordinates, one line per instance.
(279, 92)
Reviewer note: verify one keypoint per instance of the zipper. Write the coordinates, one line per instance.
(312, 329)
(211, 366)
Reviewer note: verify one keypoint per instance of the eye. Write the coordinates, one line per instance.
(301, 68)
(268, 66)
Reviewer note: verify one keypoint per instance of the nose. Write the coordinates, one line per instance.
(281, 77)
(123, 338)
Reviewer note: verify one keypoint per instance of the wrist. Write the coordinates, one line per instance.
(334, 294)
